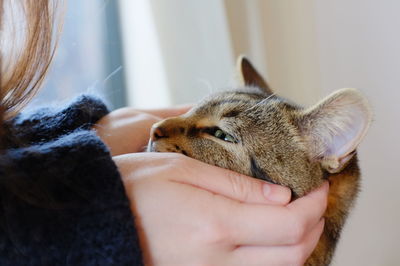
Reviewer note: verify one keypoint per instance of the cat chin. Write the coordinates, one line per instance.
(156, 147)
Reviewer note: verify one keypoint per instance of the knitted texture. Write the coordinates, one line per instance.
(62, 199)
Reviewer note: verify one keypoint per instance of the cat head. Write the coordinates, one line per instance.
(255, 132)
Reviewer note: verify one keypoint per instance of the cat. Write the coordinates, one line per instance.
(254, 132)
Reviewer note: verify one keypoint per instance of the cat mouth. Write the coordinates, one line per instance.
(155, 146)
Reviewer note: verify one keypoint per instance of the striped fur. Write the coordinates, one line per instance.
(278, 141)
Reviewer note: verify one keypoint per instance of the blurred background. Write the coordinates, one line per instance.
(153, 53)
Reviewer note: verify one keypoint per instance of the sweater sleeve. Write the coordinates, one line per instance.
(63, 203)
(49, 123)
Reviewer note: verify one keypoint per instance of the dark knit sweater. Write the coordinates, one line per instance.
(62, 199)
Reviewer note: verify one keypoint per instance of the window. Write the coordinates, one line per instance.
(88, 58)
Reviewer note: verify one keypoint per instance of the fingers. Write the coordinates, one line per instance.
(169, 112)
(246, 224)
(234, 185)
(311, 205)
(125, 130)
(279, 255)
(277, 225)
(185, 170)
(253, 234)
(127, 112)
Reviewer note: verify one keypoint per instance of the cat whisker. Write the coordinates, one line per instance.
(118, 69)
(207, 84)
(260, 103)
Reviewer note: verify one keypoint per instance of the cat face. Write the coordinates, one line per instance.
(247, 131)
(256, 133)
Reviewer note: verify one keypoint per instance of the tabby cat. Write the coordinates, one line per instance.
(257, 133)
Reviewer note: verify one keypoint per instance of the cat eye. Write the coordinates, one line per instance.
(220, 134)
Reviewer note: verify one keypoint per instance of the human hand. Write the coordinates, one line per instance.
(191, 213)
(126, 130)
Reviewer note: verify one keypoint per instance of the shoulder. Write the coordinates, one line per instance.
(88, 106)
(44, 124)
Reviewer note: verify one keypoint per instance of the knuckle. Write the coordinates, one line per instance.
(239, 186)
(121, 112)
(214, 233)
(298, 255)
(147, 117)
(297, 230)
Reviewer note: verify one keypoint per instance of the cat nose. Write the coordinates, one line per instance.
(157, 133)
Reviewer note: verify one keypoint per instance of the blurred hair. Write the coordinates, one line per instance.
(29, 33)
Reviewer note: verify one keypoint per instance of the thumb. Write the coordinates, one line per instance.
(234, 185)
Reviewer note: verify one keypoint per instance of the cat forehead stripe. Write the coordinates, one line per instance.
(226, 101)
(231, 113)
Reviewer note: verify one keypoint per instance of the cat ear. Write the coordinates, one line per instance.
(249, 75)
(334, 127)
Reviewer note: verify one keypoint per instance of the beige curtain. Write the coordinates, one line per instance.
(183, 49)
(187, 55)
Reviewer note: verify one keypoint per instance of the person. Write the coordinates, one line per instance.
(76, 190)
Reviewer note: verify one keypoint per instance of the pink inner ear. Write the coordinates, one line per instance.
(347, 140)
(337, 124)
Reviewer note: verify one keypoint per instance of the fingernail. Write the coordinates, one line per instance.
(273, 195)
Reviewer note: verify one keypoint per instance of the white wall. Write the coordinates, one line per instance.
(359, 46)
(334, 44)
